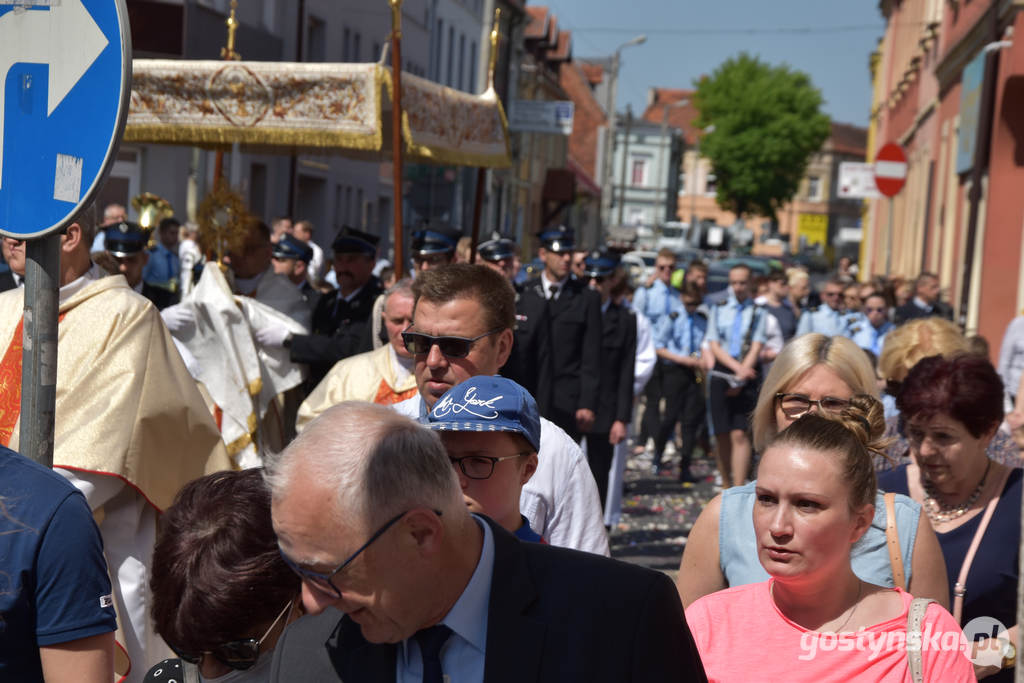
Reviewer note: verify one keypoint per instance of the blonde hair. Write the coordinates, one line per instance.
(917, 339)
(855, 434)
(838, 354)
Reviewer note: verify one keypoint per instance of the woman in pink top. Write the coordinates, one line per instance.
(814, 620)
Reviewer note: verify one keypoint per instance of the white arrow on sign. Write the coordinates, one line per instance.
(65, 38)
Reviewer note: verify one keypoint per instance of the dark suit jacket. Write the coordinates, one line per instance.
(910, 311)
(618, 358)
(555, 616)
(575, 350)
(340, 329)
(7, 281)
(529, 364)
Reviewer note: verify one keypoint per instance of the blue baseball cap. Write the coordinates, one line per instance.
(487, 404)
(291, 247)
(124, 239)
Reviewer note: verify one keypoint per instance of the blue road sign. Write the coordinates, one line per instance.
(65, 70)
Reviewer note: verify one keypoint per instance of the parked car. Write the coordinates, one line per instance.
(639, 265)
(718, 271)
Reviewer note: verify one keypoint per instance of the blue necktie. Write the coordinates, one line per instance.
(693, 342)
(431, 640)
(735, 339)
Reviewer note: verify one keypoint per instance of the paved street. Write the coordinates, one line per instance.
(658, 512)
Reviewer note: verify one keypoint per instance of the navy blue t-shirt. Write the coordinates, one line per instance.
(54, 586)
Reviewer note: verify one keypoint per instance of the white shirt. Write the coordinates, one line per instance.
(548, 284)
(561, 499)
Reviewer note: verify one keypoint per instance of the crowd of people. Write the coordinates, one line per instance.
(290, 466)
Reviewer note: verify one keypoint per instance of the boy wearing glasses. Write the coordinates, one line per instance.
(491, 430)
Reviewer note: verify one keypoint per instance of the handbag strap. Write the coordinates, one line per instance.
(915, 615)
(892, 538)
(960, 587)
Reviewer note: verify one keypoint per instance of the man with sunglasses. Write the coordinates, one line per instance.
(402, 583)
(529, 363)
(575, 314)
(871, 333)
(830, 318)
(434, 246)
(463, 319)
(654, 301)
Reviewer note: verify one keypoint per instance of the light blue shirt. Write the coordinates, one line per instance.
(463, 655)
(826, 320)
(680, 332)
(869, 337)
(162, 267)
(720, 327)
(655, 301)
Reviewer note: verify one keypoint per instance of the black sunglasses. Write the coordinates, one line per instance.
(418, 343)
(237, 654)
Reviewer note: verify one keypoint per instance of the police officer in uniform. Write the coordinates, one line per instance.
(529, 363)
(828, 318)
(341, 320)
(870, 332)
(434, 246)
(575, 313)
(618, 359)
(735, 336)
(126, 252)
(291, 258)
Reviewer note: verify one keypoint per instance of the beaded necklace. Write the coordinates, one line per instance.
(939, 512)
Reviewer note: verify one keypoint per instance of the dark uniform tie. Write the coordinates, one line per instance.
(552, 292)
(431, 640)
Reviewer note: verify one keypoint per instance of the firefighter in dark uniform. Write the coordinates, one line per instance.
(341, 320)
(529, 364)
(434, 246)
(618, 358)
(575, 313)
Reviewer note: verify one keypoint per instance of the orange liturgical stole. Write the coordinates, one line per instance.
(388, 396)
(10, 383)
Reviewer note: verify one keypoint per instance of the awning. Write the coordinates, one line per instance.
(302, 107)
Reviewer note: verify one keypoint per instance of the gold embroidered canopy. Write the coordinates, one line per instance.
(311, 108)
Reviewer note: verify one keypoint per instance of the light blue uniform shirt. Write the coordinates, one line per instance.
(869, 557)
(162, 267)
(826, 320)
(655, 301)
(680, 332)
(463, 655)
(721, 325)
(868, 337)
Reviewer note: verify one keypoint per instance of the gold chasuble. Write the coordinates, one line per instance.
(126, 405)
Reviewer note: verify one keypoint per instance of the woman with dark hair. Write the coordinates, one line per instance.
(952, 408)
(815, 619)
(222, 594)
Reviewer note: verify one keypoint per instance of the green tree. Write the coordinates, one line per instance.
(767, 122)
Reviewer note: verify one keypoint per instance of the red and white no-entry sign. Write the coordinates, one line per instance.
(890, 169)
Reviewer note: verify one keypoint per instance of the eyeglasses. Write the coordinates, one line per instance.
(480, 466)
(433, 259)
(451, 347)
(238, 654)
(663, 266)
(795, 405)
(324, 582)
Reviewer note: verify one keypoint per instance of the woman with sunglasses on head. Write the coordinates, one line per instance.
(952, 407)
(818, 374)
(222, 593)
(816, 618)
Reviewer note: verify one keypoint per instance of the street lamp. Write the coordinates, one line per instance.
(613, 84)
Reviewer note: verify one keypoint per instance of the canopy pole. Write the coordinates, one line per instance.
(481, 173)
(228, 54)
(396, 131)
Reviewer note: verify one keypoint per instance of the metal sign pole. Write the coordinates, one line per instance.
(39, 355)
(889, 232)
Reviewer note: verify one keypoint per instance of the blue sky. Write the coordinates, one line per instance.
(830, 40)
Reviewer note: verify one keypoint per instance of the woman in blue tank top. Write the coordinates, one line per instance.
(813, 372)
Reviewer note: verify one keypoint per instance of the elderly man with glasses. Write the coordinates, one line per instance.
(404, 584)
(462, 327)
